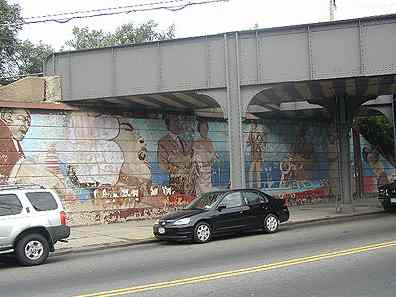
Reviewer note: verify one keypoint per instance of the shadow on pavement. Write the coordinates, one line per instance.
(7, 261)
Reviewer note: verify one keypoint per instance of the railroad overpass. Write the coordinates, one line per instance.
(335, 65)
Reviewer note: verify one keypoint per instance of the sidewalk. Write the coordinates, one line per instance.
(86, 238)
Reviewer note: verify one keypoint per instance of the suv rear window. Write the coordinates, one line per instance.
(10, 205)
(42, 201)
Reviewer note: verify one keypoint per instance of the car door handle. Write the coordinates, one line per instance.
(244, 208)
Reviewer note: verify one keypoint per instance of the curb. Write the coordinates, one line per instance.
(342, 218)
(120, 244)
(98, 247)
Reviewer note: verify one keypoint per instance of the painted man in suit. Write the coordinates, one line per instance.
(174, 155)
(14, 166)
(14, 124)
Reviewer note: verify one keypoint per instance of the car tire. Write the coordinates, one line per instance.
(271, 223)
(32, 249)
(202, 232)
(386, 205)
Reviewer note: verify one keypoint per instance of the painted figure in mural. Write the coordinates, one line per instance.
(298, 165)
(302, 152)
(287, 169)
(203, 157)
(256, 140)
(14, 124)
(373, 159)
(14, 166)
(268, 174)
(95, 157)
(174, 155)
(110, 157)
(135, 171)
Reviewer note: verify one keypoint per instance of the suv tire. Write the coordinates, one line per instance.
(32, 249)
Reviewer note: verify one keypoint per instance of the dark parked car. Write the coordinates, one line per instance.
(387, 195)
(218, 213)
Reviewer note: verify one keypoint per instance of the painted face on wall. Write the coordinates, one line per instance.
(179, 124)
(134, 149)
(203, 129)
(18, 121)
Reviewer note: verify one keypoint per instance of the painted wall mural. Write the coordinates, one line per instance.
(111, 168)
(291, 160)
(377, 170)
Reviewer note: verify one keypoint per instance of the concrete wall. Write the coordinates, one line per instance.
(33, 89)
(111, 167)
(292, 159)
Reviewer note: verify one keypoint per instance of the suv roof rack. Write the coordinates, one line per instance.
(20, 186)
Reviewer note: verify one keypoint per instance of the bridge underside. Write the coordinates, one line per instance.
(325, 93)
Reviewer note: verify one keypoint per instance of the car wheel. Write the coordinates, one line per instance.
(32, 249)
(202, 232)
(271, 223)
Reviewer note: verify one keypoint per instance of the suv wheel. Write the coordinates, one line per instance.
(271, 223)
(32, 249)
(202, 232)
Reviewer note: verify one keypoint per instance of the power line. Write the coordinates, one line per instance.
(173, 8)
(103, 9)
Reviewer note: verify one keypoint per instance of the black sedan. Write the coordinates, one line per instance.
(218, 213)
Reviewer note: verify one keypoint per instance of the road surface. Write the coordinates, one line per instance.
(349, 258)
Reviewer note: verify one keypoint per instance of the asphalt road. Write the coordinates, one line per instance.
(350, 258)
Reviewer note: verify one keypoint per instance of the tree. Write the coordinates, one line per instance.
(10, 24)
(29, 57)
(125, 34)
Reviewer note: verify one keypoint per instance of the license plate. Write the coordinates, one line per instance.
(161, 230)
(393, 200)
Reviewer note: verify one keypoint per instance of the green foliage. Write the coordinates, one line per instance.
(126, 34)
(29, 57)
(378, 131)
(18, 57)
(10, 24)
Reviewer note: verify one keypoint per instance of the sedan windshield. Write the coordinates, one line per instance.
(205, 200)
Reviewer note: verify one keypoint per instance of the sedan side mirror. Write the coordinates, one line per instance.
(221, 207)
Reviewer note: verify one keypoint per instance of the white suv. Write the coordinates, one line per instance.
(32, 220)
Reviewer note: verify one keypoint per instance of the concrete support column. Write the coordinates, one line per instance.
(358, 163)
(234, 110)
(344, 124)
(394, 129)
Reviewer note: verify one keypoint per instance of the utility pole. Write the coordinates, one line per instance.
(332, 9)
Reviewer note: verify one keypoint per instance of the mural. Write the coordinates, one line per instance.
(111, 168)
(295, 161)
(15, 165)
(377, 170)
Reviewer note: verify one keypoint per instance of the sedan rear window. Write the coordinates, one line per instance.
(42, 201)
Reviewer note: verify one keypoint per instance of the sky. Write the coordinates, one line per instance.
(207, 19)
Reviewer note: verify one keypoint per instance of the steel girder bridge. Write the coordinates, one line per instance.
(337, 66)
